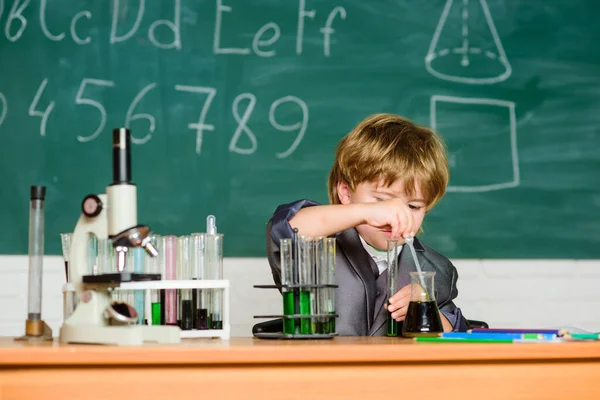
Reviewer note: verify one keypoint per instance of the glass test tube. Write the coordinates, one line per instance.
(305, 271)
(198, 268)
(158, 267)
(106, 256)
(65, 240)
(296, 276)
(178, 276)
(185, 270)
(319, 294)
(36, 252)
(69, 294)
(149, 268)
(139, 296)
(92, 261)
(325, 259)
(214, 266)
(330, 249)
(119, 295)
(171, 274)
(287, 278)
(392, 260)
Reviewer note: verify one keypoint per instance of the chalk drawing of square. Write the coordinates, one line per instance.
(481, 136)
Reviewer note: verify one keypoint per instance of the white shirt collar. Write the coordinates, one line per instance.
(379, 256)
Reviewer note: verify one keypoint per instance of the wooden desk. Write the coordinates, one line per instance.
(343, 368)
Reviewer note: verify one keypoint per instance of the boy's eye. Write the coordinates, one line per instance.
(379, 198)
(413, 207)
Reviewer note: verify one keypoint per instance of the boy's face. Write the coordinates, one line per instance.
(371, 192)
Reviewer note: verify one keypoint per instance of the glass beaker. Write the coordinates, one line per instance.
(423, 316)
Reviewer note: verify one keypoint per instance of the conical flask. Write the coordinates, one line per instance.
(423, 316)
(466, 47)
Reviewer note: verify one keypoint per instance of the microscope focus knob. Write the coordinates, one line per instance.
(91, 205)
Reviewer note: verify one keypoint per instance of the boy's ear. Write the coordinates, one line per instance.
(344, 192)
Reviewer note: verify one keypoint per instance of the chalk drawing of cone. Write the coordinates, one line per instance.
(466, 47)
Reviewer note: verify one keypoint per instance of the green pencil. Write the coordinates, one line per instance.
(457, 340)
(594, 336)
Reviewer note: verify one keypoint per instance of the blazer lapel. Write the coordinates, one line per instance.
(406, 264)
(363, 265)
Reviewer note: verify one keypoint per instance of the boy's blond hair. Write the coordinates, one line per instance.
(384, 148)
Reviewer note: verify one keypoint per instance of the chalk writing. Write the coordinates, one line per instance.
(43, 114)
(130, 21)
(300, 126)
(4, 108)
(151, 121)
(243, 124)
(79, 99)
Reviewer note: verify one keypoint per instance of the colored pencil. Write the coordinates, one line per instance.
(583, 336)
(458, 340)
(558, 332)
(490, 335)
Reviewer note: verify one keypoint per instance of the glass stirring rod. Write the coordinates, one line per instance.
(410, 242)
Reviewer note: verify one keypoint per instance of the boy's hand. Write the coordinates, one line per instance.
(398, 303)
(393, 215)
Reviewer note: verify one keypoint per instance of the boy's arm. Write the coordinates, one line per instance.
(449, 311)
(327, 220)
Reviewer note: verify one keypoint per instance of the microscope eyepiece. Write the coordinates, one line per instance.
(121, 156)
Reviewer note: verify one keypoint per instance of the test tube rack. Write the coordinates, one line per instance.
(295, 317)
(308, 288)
(221, 284)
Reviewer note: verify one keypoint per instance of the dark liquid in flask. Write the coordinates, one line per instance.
(422, 319)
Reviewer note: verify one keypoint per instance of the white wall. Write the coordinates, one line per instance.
(508, 293)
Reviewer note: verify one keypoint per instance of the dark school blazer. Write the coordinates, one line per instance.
(362, 292)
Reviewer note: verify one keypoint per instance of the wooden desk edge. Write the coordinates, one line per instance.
(249, 351)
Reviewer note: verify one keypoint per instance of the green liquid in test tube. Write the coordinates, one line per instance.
(287, 278)
(156, 319)
(305, 303)
(289, 308)
(392, 260)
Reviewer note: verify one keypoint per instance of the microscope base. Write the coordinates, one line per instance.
(88, 324)
(132, 335)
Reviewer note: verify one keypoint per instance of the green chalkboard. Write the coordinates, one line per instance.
(236, 106)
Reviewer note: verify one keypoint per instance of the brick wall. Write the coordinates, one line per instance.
(510, 293)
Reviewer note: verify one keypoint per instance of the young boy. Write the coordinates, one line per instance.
(387, 174)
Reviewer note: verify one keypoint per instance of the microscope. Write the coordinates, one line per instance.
(113, 215)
